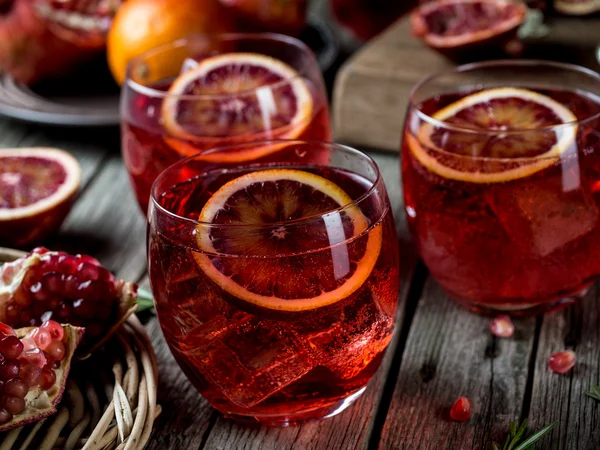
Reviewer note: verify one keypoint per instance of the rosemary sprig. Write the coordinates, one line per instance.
(516, 439)
(594, 393)
(144, 300)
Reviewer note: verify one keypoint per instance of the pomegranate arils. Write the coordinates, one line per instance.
(62, 287)
(16, 388)
(502, 326)
(54, 328)
(461, 409)
(13, 405)
(41, 337)
(9, 370)
(35, 357)
(28, 344)
(56, 351)
(30, 374)
(562, 362)
(6, 330)
(48, 379)
(5, 416)
(11, 347)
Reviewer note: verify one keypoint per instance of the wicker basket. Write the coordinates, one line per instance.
(109, 401)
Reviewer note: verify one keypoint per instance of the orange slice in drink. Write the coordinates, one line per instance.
(232, 98)
(495, 135)
(261, 252)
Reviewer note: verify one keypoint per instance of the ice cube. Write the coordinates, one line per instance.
(547, 214)
(188, 64)
(362, 332)
(252, 360)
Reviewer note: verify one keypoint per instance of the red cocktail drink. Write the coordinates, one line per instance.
(209, 91)
(276, 283)
(502, 184)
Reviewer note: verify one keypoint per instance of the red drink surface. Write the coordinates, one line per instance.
(147, 153)
(516, 244)
(255, 362)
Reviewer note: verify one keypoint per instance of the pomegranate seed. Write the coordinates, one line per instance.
(26, 316)
(16, 388)
(56, 330)
(42, 338)
(461, 410)
(9, 370)
(30, 374)
(88, 259)
(12, 312)
(52, 283)
(21, 297)
(11, 347)
(562, 362)
(35, 357)
(56, 351)
(40, 250)
(13, 405)
(64, 312)
(502, 326)
(84, 308)
(6, 330)
(5, 416)
(88, 271)
(28, 344)
(48, 379)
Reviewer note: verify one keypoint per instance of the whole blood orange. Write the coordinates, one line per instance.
(141, 25)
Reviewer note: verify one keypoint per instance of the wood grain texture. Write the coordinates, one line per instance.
(450, 352)
(562, 397)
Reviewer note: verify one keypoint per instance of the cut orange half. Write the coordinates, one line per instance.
(271, 261)
(236, 97)
(495, 135)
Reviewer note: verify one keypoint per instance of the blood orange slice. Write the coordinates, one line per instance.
(37, 188)
(235, 97)
(455, 27)
(262, 273)
(495, 135)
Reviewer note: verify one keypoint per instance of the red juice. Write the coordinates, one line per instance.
(270, 362)
(148, 147)
(523, 243)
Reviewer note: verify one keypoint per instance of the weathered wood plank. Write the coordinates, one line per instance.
(562, 397)
(450, 353)
(107, 223)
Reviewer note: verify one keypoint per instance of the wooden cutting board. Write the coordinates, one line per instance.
(371, 90)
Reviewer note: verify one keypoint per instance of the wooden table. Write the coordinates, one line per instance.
(440, 351)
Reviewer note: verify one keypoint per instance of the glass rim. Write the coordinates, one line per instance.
(154, 198)
(502, 63)
(157, 93)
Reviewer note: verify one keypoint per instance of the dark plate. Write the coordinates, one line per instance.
(90, 97)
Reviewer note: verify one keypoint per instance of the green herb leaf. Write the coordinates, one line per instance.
(594, 393)
(145, 301)
(516, 434)
(536, 437)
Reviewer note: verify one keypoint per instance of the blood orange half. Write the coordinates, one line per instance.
(269, 261)
(455, 27)
(495, 135)
(37, 189)
(235, 97)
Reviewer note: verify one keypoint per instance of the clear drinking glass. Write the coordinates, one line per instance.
(212, 90)
(501, 174)
(275, 283)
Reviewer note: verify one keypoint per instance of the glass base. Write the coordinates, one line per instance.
(525, 308)
(298, 417)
